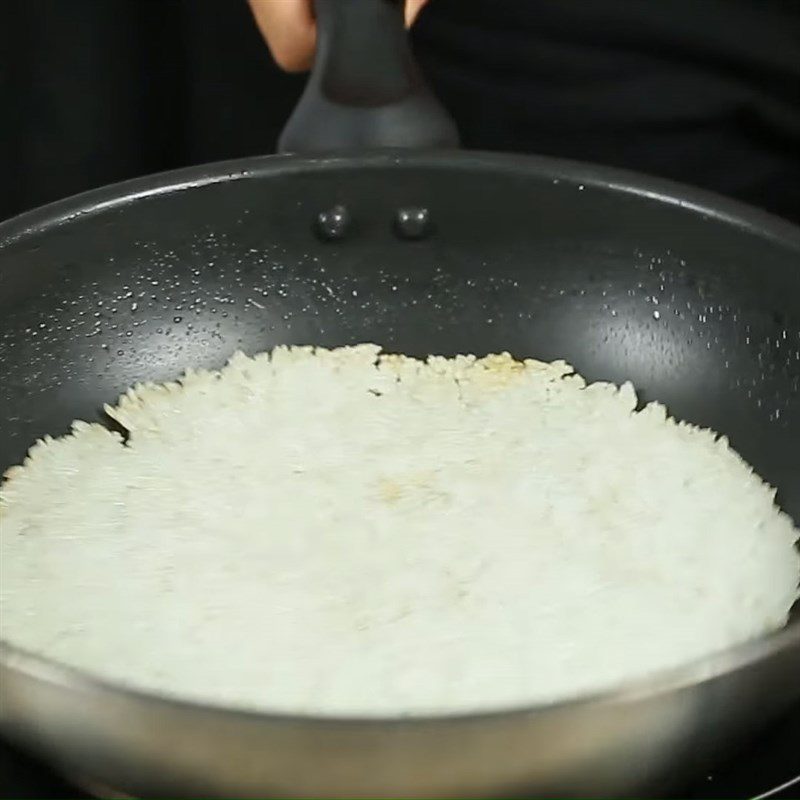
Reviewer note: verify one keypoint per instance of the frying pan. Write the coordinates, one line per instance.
(694, 298)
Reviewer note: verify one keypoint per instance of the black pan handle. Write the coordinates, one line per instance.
(365, 90)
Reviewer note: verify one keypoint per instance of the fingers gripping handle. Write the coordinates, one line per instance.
(365, 90)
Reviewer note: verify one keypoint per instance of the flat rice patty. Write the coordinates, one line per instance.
(345, 532)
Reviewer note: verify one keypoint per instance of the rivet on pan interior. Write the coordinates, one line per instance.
(332, 224)
(412, 222)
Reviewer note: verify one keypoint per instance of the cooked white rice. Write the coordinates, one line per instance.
(340, 532)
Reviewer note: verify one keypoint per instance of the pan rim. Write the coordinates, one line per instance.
(707, 204)
(14, 660)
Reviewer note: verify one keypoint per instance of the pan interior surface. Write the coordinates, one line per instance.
(700, 312)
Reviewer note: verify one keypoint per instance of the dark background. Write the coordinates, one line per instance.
(703, 91)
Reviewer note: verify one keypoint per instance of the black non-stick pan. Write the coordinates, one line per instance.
(693, 298)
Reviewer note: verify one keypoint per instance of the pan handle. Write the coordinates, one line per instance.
(365, 90)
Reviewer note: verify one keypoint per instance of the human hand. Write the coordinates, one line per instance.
(291, 32)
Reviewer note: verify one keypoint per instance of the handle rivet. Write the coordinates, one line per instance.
(412, 222)
(332, 224)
